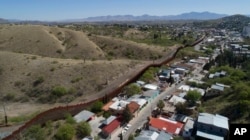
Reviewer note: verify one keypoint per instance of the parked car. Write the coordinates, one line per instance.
(124, 131)
(127, 126)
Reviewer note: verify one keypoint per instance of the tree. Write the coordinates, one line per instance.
(83, 130)
(35, 132)
(127, 115)
(70, 119)
(97, 107)
(65, 132)
(132, 89)
(131, 137)
(161, 105)
(181, 108)
(193, 96)
(106, 114)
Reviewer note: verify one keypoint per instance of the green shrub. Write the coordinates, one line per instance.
(83, 130)
(65, 132)
(97, 107)
(35, 132)
(59, 91)
(9, 97)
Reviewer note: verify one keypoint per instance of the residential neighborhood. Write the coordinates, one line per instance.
(172, 85)
(124, 70)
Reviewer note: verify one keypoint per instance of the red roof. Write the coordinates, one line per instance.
(112, 126)
(133, 106)
(172, 127)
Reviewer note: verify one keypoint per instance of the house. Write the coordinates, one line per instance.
(136, 98)
(133, 107)
(176, 99)
(109, 129)
(166, 125)
(184, 88)
(180, 71)
(181, 118)
(150, 95)
(150, 87)
(107, 105)
(210, 126)
(84, 115)
(152, 135)
(140, 83)
(109, 120)
(188, 128)
(217, 74)
(118, 106)
(214, 90)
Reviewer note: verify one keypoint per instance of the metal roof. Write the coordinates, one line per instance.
(109, 120)
(215, 120)
(147, 135)
(209, 136)
(217, 87)
(83, 116)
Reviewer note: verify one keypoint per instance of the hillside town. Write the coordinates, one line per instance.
(158, 111)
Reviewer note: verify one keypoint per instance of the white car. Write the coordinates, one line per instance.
(127, 126)
(124, 131)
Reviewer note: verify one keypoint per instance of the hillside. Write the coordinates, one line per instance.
(235, 22)
(42, 66)
(29, 78)
(48, 41)
(118, 48)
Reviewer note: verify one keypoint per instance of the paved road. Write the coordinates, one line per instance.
(141, 118)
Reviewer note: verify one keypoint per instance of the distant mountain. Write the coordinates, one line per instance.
(3, 20)
(184, 16)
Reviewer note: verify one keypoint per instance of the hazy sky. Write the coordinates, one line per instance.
(75, 9)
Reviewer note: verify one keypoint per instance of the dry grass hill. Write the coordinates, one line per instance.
(48, 41)
(118, 48)
(43, 66)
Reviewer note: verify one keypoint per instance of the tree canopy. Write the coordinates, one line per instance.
(83, 129)
(65, 132)
(97, 107)
(127, 115)
(132, 89)
(161, 105)
(193, 96)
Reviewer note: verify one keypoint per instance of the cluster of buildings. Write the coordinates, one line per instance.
(205, 126)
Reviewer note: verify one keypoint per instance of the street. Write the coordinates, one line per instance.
(142, 116)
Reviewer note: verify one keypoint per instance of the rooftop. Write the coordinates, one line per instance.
(133, 107)
(112, 126)
(150, 93)
(217, 87)
(175, 99)
(150, 87)
(83, 116)
(119, 105)
(169, 126)
(107, 105)
(215, 120)
(109, 120)
(209, 136)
